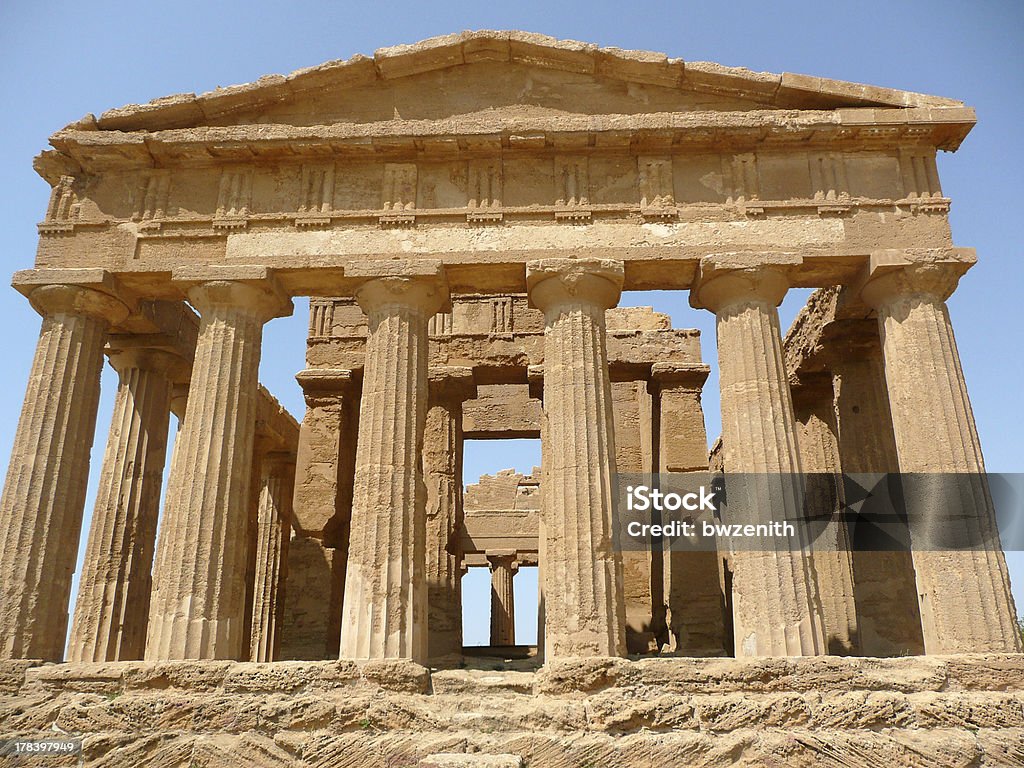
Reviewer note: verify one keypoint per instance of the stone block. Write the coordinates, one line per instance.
(397, 675)
(454, 760)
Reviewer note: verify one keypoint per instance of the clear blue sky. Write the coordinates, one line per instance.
(60, 60)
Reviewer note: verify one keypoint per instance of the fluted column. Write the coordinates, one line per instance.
(584, 609)
(775, 605)
(114, 590)
(442, 473)
(813, 405)
(262, 443)
(503, 599)
(965, 599)
(535, 383)
(44, 494)
(179, 406)
(385, 605)
(198, 604)
(165, 537)
(277, 470)
(885, 590)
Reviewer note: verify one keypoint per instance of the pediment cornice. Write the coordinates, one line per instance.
(773, 91)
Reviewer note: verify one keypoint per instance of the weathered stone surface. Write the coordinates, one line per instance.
(504, 566)
(442, 474)
(691, 587)
(273, 537)
(584, 606)
(44, 493)
(965, 599)
(385, 604)
(533, 180)
(114, 590)
(745, 712)
(198, 603)
(829, 340)
(313, 595)
(776, 610)
(325, 459)
(476, 760)
(831, 555)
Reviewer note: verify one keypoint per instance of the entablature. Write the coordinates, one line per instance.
(847, 129)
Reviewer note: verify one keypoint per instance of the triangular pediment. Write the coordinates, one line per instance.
(494, 73)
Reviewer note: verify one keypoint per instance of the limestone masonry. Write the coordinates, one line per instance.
(464, 214)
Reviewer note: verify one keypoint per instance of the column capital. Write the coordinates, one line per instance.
(552, 282)
(502, 558)
(243, 287)
(451, 382)
(50, 300)
(726, 279)
(266, 300)
(175, 367)
(896, 273)
(419, 285)
(179, 400)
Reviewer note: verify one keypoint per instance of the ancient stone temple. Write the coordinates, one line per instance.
(465, 214)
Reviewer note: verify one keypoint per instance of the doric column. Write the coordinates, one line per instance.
(535, 384)
(692, 590)
(113, 594)
(504, 566)
(584, 609)
(385, 606)
(885, 591)
(273, 532)
(263, 442)
(966, 605)
(442, 472)
(198, 604)
(775, 605)
(44, 495)
(813, 406)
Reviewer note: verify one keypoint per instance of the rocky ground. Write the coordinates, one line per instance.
(593, 713)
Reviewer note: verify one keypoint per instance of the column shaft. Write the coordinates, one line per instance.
(503, 608)
(965, 599)
(584, 609)
(273, 536)
(385, 604)
(831, 554)
(44, 494)
(775, 604)
(885, 590)
(198, 603)
(114, 591)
